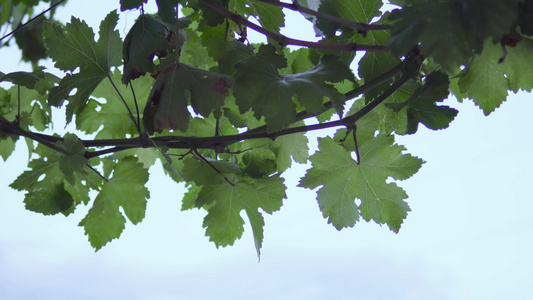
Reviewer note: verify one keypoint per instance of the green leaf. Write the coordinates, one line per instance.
(147, 38)
(487, 81)
(30, 41)
(375, 64)
(27, 79)
(146, 156)
(358, 11)
(44, 184)
(7, 146)
(343, 181)
(214, 41)
(131, 4)
(259, 86)
(189, 199)
(167, 104)
(73, 46)
(34, 110)
(260, 161)
(484, 81)
(287, 146)
(270, 17)
(104, 221)
(113, 118)
(201, 173)
(166, 10)
(525, 10)
(520, 77)
(223, 222)
(422, 106)
(298, 61)
(462, 27)
(73, 159)
(238, 119)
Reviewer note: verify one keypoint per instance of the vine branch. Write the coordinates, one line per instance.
(284, 41)
(408, 69)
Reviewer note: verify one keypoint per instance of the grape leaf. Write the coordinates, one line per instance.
(146, 156)
(259, 160)
(7, 146)
(358, 11)
(520, 77)
(166, 10)
(30, 40)
(104, 221)
(259, 86)
(147, 38)
(343, 180)
(487, 81)
(131, 4)
(27, 79)
(73, 46)
(422, 106)
(287, 146)
(298, 61)
(375, 64)
(114, 119)
(73, 159)
(214, 41)
(482, 84)
(52, 175)
(223, 222)
(167, 104)
(204, 174)
(238, 119)
(34, 110)
(463, 27)
(525, 9)
(189, 199)
(425, 110)
(270, 17)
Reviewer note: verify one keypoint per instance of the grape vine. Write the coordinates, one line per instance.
(228, 117)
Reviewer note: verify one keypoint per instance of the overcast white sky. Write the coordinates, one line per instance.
(468, 235)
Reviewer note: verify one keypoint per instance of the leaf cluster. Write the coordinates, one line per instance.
(228, 117)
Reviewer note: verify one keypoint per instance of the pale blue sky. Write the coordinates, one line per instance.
(467, 237)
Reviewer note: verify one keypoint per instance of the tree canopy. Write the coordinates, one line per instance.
(228, 117)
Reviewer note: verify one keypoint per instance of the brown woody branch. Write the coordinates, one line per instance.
(408, 69)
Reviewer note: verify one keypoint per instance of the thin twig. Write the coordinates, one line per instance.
(125, 104)
(138, 125)
(31, 20)
(97, 173)
(354, 133)
(18, 108)
(200, 156)
(283, 40)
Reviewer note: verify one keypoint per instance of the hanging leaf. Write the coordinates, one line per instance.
(72, 46)
(259, 86)
(131, 4)
(343, 180)
(451, 31)
(223, 222)
(104, 221)
(147, 38)
(178, 86)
